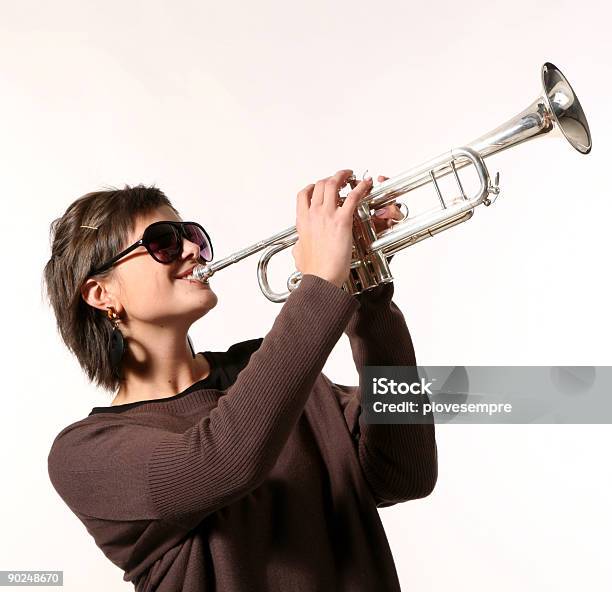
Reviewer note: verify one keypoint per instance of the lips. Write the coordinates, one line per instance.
(183, 275)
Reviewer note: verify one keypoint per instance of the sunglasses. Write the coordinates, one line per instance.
(164, 242)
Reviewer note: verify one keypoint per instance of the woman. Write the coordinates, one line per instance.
(239, 470)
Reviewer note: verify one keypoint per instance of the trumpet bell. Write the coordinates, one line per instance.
(565, 108)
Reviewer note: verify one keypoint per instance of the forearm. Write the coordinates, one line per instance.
(398, 460)
(378, 332)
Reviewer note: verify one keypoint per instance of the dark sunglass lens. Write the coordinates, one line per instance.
(163, 241)
(194, 234)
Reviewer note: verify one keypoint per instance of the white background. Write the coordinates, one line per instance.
(231, 108)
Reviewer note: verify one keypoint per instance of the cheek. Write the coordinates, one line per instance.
(146, 289)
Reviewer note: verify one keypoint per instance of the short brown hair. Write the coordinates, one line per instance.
(75, 252)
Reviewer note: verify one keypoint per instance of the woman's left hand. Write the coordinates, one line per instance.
(383, 217)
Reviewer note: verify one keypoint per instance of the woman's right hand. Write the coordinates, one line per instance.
(325, 229)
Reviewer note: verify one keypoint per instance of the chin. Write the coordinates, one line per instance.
(193, 301)
(206, 302)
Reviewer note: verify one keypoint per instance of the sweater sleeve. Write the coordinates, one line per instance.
(399, 461)
(116, 469)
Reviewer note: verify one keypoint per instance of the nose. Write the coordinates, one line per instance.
(190, 250)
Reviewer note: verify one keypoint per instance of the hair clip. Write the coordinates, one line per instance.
(92, 227)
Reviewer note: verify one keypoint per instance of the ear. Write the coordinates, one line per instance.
(97, 294)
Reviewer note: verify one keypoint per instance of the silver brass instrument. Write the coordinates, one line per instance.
(557, 108)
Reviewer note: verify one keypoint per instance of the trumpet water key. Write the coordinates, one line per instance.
(557, 109)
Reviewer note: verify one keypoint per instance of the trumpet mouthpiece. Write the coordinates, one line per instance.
(201, 273)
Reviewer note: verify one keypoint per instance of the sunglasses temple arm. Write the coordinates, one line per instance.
(116, 258)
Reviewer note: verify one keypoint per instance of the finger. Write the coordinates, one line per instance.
(356, 195)
(391, 211)
(395, 212)
(382, 178)
(303, 203)
(333, 186)
(382, 213)
(318, 193)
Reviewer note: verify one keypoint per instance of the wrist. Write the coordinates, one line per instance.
(327, 277)
(332, 280)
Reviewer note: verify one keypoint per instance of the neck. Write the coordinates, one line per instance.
(162, 368)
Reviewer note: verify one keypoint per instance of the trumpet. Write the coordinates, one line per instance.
(557, 109)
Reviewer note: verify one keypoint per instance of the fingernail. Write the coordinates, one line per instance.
(381, 212)
(367, 178)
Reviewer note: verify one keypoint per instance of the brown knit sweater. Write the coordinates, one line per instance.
(271, 484)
